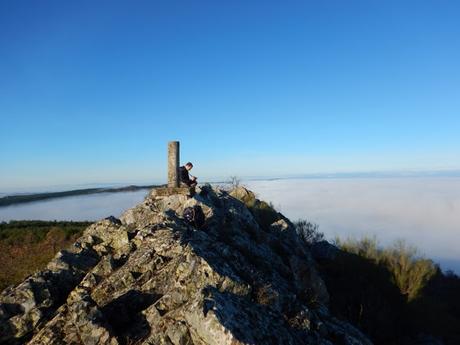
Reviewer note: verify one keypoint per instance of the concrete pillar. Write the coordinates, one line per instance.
(173, 164)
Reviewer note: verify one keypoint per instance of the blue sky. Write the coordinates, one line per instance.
(91, 91)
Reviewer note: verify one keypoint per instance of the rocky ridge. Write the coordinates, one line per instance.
(152, 278)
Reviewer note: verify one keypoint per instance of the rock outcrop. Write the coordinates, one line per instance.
(152, 278)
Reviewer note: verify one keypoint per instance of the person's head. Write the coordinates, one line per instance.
(189, 166)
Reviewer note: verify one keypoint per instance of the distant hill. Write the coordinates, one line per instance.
(24, 198)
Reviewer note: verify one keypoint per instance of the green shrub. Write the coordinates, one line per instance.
(264, 213)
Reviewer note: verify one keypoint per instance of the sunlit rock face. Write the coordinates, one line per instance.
(150, 277)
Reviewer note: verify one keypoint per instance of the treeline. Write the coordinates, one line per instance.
(27, 246)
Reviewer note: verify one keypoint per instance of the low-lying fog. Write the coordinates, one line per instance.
(423, 211)
(85, 207)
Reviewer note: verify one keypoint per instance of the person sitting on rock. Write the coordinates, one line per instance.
(185, 179)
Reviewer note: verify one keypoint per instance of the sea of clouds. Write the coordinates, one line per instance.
(78, 208)
(425, 212)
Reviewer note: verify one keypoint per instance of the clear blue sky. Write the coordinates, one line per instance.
(91, 91)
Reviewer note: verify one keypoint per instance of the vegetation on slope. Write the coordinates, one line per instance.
(27, 246)
(409, 271)
(393, 294)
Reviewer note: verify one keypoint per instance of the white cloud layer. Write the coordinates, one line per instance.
(87, 207)
(423, 211)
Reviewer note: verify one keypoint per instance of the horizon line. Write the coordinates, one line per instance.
(221, 179)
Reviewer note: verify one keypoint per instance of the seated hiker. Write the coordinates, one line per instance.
(185, 178)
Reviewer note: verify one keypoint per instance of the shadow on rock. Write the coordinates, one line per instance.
(125, 317)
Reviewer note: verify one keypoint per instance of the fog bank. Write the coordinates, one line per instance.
(86, 207)
(423, 211)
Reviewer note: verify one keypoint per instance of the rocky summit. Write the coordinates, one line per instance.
(155, 277)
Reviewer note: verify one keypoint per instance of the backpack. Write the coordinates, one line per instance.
(194, 216)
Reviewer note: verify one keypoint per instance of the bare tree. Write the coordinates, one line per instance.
(308, 231)
(234, 181)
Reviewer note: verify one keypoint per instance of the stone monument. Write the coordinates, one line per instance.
(173, 186)
(173, 164)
